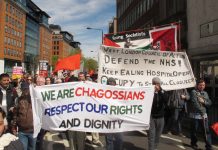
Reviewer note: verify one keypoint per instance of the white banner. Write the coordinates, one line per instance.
(91, 107)
(131, 67)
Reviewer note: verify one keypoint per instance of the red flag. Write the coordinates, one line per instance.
(215, 128)
(108, 42)
(164, 39)
(68, 63)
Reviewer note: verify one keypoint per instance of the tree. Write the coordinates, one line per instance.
(90, 64)
(54, 60)
(75, 51)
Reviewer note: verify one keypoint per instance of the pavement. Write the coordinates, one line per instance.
(132, 141)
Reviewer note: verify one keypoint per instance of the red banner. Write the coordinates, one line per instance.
(164, 39)
(68, 63)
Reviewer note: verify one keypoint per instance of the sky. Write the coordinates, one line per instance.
(75, 16)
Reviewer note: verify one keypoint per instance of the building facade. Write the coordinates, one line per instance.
(144, 14)
(45, 39)
(12, 31)
(62, 43)
(203, 46)
(199, 33)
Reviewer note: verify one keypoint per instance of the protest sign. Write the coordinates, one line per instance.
(17, 72)
(91, 107)
(131, 67)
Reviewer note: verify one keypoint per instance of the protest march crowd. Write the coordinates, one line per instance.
(167, 112)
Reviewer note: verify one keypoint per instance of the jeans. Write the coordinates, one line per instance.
(29, 143)
(195, 123)
(175, 121)
(154, 132)
(116, 144)
(76, 140)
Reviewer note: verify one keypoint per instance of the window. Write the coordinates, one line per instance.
(6, 29)
(5, 51)
(5, 40)
(10, 9)
(209, 29)
(13, 10)
(7, 7)
(9, 52)
(57, 47)
(6, 18)
(9, 41)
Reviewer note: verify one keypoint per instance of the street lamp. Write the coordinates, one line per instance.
(102, 32)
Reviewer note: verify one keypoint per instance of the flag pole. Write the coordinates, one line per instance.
(180, 45)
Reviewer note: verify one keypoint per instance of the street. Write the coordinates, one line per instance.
(132, 141)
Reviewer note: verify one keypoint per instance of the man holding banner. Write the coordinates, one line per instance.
(157, 115)
(111, 136)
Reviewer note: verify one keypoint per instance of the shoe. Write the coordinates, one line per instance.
(181, 135)
(169, 133)
(88, 141)
(99, 144)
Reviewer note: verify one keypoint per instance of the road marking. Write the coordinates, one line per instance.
(173, 139)
(215, 147)
(143, 132)
(180, 146)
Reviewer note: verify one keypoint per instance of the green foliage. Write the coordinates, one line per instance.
(75, 51)
(54, 60)
(90, 64)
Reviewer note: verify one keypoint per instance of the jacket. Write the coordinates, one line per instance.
(11, 96)
(195, 106)
(175, 100)
(23, 115)
(159, 103)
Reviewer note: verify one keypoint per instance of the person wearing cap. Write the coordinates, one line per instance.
(23, 119)
(157, 114)
(112, 138)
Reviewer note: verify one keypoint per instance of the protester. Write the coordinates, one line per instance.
(157, 115)
(7, 141)
(77, 138)
(47, 81)
(29, 80)
(58, 81)
(23, 119)
(114, 141)
(88, 78)
(198, 113)
(177, 104)
(95, 136)
(72, 77)
(40, 81)
(16, 85)
(8, 96)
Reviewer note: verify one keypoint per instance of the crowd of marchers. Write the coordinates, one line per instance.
(167, 112)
